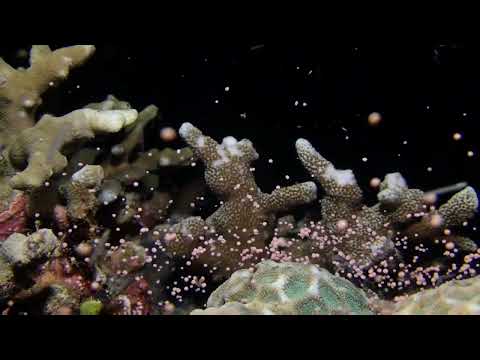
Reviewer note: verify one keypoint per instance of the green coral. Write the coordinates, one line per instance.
(91, 307)
(286, 289)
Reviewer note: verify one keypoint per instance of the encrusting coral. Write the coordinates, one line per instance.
(286, 289)
(457, 297)
(246, 216)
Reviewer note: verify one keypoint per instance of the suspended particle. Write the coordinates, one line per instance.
(342, 225)
(375, 182)
(470, 154)
(168, 134)
(457, 136)
(436, 221)
(374, 118)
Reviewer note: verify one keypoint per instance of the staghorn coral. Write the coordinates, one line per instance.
(21, 89)
(286, 289)
(354, 235)
(229, 176)
(456, 297)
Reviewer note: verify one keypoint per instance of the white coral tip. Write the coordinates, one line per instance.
(185, 129)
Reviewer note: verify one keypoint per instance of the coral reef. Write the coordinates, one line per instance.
(286, 289)
(95, 220)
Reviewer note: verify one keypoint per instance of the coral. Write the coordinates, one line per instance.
(7, 279)
(14, 219)
(134, 300)
(21, 89)
(121, 164)
(37, 150)
(286, 289)
(61, 301)
(64, 284)
(246, 215)
(81, 192)
(91, 307)
(351, 234)
(456, 297)
(21, 250)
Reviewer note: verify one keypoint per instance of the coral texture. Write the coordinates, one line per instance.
(456, 297)
(247, 215)
(21, 250)
(286, 289)
(353, 234)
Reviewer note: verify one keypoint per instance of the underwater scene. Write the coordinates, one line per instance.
(252, 178)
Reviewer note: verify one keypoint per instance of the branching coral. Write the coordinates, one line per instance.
(353, 234)
(81, 192)
(37, 151)
(246, 216)
(21, 89)
(286, 289)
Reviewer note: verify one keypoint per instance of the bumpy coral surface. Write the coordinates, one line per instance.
(286, 289)
(246, 216)
(457, 297)
(354, 235)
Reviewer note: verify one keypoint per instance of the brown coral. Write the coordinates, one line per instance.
(352, 233)
(246, 217)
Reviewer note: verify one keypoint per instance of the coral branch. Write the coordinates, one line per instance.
(21, 90)
(38, 150)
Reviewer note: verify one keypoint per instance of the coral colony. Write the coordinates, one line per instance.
(86, 230)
